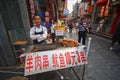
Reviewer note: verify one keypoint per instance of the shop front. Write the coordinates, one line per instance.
(107, 12)
(116, 17)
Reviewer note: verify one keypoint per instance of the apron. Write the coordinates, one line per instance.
(35, 41)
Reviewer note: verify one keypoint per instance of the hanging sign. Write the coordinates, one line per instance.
(59, 32)
(65, 12)
(39, 62)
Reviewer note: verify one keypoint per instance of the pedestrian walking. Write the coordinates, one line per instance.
(118, 49)
(53, 31)
(38, 33)
(82, 31)
(70, 27)
(116, 37)
(99, 28)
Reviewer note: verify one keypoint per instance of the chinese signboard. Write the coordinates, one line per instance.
(31, 2)
(44, 61)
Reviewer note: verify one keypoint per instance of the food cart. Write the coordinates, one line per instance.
(52, 57)
(67, 53)
(40, 59)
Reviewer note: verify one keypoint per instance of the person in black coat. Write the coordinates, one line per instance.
(116, 37)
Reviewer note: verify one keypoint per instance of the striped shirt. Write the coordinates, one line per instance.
(82, 27)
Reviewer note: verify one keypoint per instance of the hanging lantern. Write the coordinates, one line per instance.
(98, 3)
(104, 2)
(102, 11)
(90, 8)
(101, 2)
(106, 12)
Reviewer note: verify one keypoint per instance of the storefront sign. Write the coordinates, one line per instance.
(44, 61)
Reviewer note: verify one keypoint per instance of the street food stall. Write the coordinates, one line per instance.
(64, 53)
(40, 59)
(52, 57)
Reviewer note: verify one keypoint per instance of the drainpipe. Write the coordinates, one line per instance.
(93, 17)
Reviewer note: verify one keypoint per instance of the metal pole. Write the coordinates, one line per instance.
(87, 51)
(75, 73)
(10, 72)
(61, 77)
(88, 46)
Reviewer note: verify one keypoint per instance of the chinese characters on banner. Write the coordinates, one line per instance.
(39, 62)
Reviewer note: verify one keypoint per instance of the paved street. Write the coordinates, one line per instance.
(103, 64)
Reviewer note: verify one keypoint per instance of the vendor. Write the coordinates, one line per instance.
(38, 33)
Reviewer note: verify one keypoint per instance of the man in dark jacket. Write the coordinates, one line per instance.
(116, 37)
